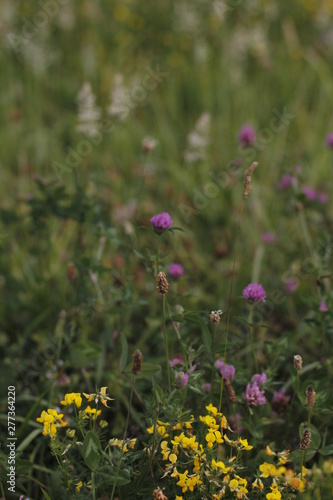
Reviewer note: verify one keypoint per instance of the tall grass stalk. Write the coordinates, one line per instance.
(125, 434)
(230, 297)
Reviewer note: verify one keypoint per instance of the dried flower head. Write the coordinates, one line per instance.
(215, 317)
(310, 397)
(71, 272)
(162, 283)
(305, 439)
(158, 494)
(137, 359)
(229, 390)
(247, 180)
(148, 144)
(298, 362)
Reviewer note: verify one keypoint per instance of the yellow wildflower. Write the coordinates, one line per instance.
(220, 465)
(100, 395)
(92, 413)
(73, 397)
(269, 452)
(51, 419)
(78, 486)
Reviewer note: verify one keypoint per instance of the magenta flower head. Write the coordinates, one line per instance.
(247, 136)
(206, 387)
(253, 396)
(254, 293)
(176, 271)
(286, 181)
(181, 380)
(323, 307)
(280, 401)
(310, 193)
(322, 197)
(229, 370)
(235, 423)
(176, 361)
(268, 238)
(329, 140)
(161, 222)
(291, 285)
(259, 379)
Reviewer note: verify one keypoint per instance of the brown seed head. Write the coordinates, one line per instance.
(229, 390)
(310, 396)
(137, 359)
(305, 439)
(71, 272)
(215, 317)
(298, 362)
(162, 283)
(158, 494)
(247, 180)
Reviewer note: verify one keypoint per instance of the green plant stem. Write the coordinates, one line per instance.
(93, 485)
(230, 296)
(158, 255)
(306, 232)
(2, 491)
(213, 371)
(166, 345)
(251, 337)
(295, 392)
(125, 433)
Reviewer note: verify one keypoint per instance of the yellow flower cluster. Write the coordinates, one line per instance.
(51, 420)
(73, 397)
(281, 475)
(184, 448)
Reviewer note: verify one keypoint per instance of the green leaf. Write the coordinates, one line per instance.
(108, 475)
(45, 495)
(91, 450)
(124, 351)
(206, 337)
(296, 456)
(147, 369)
(195, 389)
(29, 439)
(327, 450)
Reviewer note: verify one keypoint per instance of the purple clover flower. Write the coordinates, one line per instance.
(176, 271)
(259, 379)
(329, 140)
(268, 237)
(291, 285)
(176, 361)
(323, 307)
(253, 396)
(181, 380)
(161, 222)
(254, 293)
(322, 197)
(235, 423)
(310, 193)
(280, 401)
(287, 181)
(206, 387)
(247, 135)
(229, 370)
